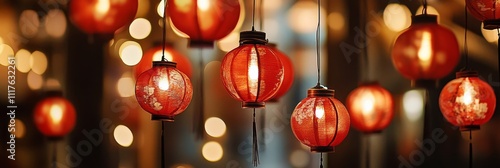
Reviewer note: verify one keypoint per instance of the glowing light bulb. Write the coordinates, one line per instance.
(320, 111)
(102, 8)
(163, 84)
(203, 4)
(425, 51)
(253, 72)
(469, 93)
(368, 101)
(56, 114)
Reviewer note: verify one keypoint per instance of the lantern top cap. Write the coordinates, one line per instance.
(164, 63)
(466, 73)
(253, 37)
(424, 18)
(272, 45)
(320, 91)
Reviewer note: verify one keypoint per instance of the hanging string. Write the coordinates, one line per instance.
(321, 160)
(261, 15)
(470, 148)
(466, 48)
(318, 59)
(200, 118)
(164, 30)
(54, 155)
(424, 7)
(367, 142)
(162, 144)
(255, 153)
(363, 21)
(253, 16)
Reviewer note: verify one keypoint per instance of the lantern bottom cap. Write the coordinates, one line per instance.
(491, 24)
(322, 149)
(201, 44)
(253, 104)
(424, 83)
(162, 118)
(470, 127)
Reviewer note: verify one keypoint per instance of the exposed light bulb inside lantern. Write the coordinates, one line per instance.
(253, 72)
(102, 7)
(163, 83)
(368, 101)
(203, 4)
(469, 93)
(320, 111)
(425, 51)
(56, 114)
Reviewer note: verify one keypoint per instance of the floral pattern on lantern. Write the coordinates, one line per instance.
(252, 73)
(371, 108)
(288, 73)
(204, 21)
(467, 101)
(54, 116)
(485, 11)
(320, 121)
(164, 91)
(426, 50)
(171, 54)
(102, 16)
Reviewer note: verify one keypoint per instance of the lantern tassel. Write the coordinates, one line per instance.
(255, 154)
(262, 132)
(321, 160)
(199, 119)
(162, 145)
(470, 148)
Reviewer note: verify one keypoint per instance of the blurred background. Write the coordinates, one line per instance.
(96, 73)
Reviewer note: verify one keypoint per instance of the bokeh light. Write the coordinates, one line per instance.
(336, 21)
(140, 28)
(55, 23)
(299, 158)
(38, 62)
(490, 35)
(303, 16)
(160, 8)
(413, 104)
(51, 83)
(123, 136)
(5, 52)
(212, 151)
(130, 52)
(397, 17)
(35, 81)
(29, 23)
(20, 129)
(125, 86)
(23, 60)
(229, 42)
(215, 127)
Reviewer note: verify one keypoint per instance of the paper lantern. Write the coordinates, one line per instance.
(155, 53)
(102, 16)
(320, 121)
(252, 73)
(485, 11)
(371, 108)
(163, 91)
(54, 116)
(467, 101)
(426, 50)
(204, 21)
(288, 73)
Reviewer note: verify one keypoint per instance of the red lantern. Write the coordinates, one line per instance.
(426, 50)
(171, 54)
(320, 121)
(288, 73)
(467, 101)
(163, 91)
(204, 21)
(371, 108)
(102, 16)
(54, 116)
(485, 11)
(252, 73)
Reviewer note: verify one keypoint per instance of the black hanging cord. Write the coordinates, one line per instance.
(201, 113)
(54, 155)
(318, 28)
(470, 148)
(253, 16)
(424, 7)
(363, 20)
(466, 48)
(164, 30)
(321, 160)
(162, 144)
(255, 153)
(367, 141)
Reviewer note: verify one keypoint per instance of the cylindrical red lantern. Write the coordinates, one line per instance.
(54, 116)
(288, 73)
(204, 21)
(102, 16)
(467, 101)
(252, 73)
(485, 11)
(371, 108)
(163, 91)
(426, 50)
(320, 121)
(154, 54)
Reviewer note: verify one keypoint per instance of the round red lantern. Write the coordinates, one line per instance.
(154, 54)
(371, 108)
(426, 50)
(320, 121)
(485, 11)
(204, 21)
(467, 101)
(288, 73)
(54, 116)
(163, 91)
(102, 16)
(252, 73)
